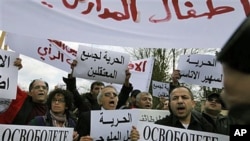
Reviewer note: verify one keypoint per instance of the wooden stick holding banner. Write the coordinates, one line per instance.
(2, 39)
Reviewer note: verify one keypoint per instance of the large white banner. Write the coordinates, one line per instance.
(34, 133)
(133, 23)
(60, 55)
(155, 132)
(49, 51)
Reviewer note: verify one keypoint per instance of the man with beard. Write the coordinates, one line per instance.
(181, 102)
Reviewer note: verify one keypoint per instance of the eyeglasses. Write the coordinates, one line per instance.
(58, 101)
(39, 87)
(214, 100)
(110, 94)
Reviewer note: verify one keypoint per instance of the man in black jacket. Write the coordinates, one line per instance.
(212, 113)
(181, 103)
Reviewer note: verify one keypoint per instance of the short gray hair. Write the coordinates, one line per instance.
(138, 96)
(100, 95)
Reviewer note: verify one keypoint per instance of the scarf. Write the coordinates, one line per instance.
(58, 118)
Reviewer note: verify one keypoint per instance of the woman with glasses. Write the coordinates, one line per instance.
(59, 104)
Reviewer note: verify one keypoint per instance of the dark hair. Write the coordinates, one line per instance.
(190, 92)
(98, 83)
(134, 93)
(235, 52)
(218, 96)
(33, 81)
(67, 97)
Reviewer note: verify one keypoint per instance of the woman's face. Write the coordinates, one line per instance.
(58, 105)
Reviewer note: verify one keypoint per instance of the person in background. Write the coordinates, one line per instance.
(133, 98)
(160, 105)
(234, 57)
(166, 105)
(144, 100)
(90, 98)
(212, 113)
(26, 105)
(59, 104)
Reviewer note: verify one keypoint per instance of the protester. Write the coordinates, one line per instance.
(234, 57)
(108, 100)
(27, 105)
(166, 105)
(59, 104)
(161, 104)
(181, 104)
(140, 101)
(90, 97)
(71, 85)
(212, 113)
(133, 98)
(144, 100)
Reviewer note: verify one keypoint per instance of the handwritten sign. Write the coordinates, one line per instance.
(109, 125)
(200, 69)
(99, 64)
(160, 89)
(116, 124)
(31, 133)
(53, 52)
(133, 23)
(141, 71)
(8, 74)
(154, 132)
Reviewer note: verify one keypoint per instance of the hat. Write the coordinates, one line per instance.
(216, 95)
(213, 95)
(134, 93)
(235, 53)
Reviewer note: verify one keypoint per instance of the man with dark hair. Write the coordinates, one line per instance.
(212, 113)
(90, 97)
(181, 104)
(133, 98)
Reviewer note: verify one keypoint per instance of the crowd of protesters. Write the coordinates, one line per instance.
(39, 107)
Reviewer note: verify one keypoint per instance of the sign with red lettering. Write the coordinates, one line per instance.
(132, 23)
